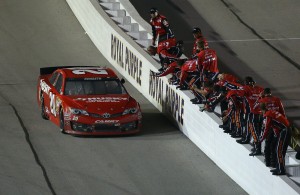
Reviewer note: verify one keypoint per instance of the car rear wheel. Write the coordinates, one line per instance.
(62, 121)
(43, 112)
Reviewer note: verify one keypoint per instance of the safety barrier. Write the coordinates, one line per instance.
(121, 36)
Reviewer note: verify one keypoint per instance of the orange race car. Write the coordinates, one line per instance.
(87, 101)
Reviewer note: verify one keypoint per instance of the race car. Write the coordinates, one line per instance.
(87, 101)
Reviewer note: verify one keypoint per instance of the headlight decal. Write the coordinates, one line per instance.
(78, 111)
(130, 111)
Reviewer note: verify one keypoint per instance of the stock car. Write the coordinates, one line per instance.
(87, 101)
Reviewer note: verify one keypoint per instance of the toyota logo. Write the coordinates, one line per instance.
(106, 115)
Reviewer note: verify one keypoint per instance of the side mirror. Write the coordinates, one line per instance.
(122, 81)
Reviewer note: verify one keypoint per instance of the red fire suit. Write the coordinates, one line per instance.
(251, 94)
(171, 68)
(195, 45)
(234, 111)
(169, 55)
(227, 78)
(253, 122)
(280, 125)
(209, 65)
(272, 103)
(188, 67)
(166, 44)
(161, 28)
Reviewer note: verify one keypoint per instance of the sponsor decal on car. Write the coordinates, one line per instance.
(67, 118)
(75, 118)
(101, 99)
(52, 103)
(106, 121)
(67, 114)
(44, 86)
(92, 71)
(55, 103)
(58, 103)
(47, 110)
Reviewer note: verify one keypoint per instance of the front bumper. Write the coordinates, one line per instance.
(90, 126)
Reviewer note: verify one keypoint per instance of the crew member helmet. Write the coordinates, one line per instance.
(249, 81)
(153, 10)
(196, 30)
(267, 91)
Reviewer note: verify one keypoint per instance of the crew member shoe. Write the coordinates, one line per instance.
(255, 153)
(184, 88)
(232, 132)
(197, 102)
(278, 173)
(174, 83)
(236, 136)
(239, 141)
(181, 87)
(194, 100)
(244, 142)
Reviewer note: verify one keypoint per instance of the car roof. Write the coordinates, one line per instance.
(89, 72)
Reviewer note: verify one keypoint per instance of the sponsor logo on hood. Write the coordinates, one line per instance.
(102, 99)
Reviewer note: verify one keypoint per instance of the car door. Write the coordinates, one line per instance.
(46, 86)
(54, 96)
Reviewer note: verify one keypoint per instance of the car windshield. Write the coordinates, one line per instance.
(93, 86)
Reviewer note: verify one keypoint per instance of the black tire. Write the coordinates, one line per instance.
(62, 121)
(43, 112)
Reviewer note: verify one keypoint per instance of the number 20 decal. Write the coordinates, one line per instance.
(52, 103)
(83, 71)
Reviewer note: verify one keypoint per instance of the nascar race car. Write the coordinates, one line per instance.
(87, 101)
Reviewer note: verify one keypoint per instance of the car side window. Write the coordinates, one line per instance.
(58, 84)
(53, 78)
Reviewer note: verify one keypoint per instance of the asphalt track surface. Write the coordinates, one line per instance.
(252, 38)
(37, 159)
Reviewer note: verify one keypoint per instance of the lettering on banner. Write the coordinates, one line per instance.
(174, 104)
(126, 59)
(156, 88)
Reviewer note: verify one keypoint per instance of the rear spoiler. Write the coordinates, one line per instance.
(49, 70)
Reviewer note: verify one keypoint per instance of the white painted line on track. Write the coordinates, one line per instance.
(252, 40)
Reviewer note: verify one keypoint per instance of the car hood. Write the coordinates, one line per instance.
(102, 103)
